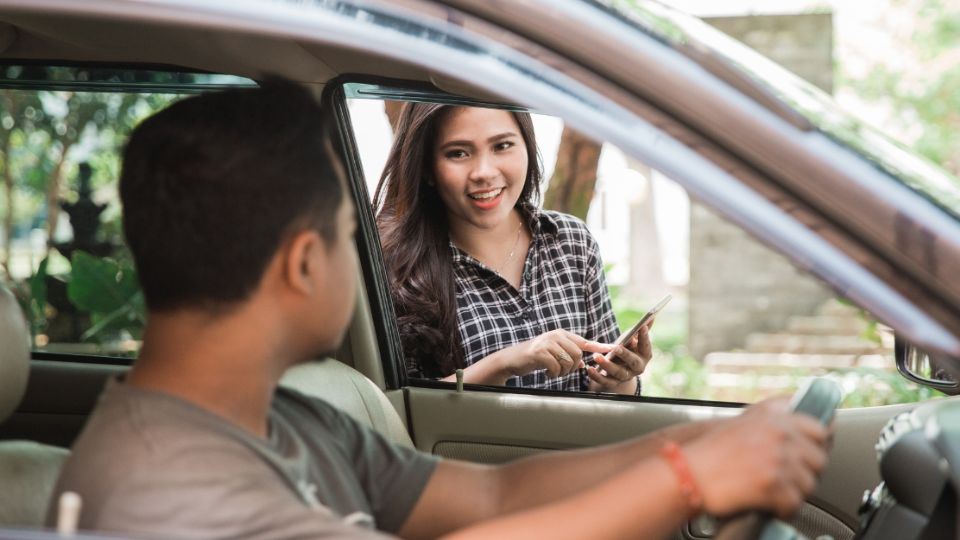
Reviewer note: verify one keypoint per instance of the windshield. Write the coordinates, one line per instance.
(697, 39)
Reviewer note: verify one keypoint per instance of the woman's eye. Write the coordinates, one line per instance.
(455, 154)
(503, 145)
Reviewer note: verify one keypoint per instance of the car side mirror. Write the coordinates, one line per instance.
(922, 368)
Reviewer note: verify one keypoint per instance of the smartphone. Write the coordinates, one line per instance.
(628, 335)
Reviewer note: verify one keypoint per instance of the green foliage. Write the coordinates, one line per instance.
(866, 387)
(45, 135)
(943, 30)
(925, 101)
(36, 312)
(107, 289)
(676, 377)
(31, 294)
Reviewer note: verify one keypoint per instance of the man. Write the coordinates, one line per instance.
(241, 231)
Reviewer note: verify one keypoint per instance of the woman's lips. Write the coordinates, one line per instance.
(486, 200)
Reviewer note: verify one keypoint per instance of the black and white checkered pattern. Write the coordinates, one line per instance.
(563, 287)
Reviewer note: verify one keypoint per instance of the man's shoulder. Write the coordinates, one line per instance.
(131, 428)
(303, 407)
(133, 439)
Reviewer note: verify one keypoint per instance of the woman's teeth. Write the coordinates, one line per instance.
(486, 195)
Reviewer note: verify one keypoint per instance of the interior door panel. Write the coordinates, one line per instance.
(58, 398)
(493, 427)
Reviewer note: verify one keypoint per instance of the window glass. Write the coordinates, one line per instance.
(63, 252)
(61, 244)
(743, 324)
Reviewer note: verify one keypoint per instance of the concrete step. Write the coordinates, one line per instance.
(836, 308)
(741, 362)
(735, 381)
(827, 325)
(810, 344)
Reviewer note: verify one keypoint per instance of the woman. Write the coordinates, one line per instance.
(481, 278)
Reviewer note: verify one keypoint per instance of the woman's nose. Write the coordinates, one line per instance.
(483, 168)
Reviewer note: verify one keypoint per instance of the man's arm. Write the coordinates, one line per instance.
(765, 458)
(473, 493)
(655, 508)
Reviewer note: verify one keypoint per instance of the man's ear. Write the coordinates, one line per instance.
(303, 261)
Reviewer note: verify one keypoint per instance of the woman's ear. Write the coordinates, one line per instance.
(303, 261)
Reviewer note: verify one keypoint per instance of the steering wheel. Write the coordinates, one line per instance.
(819, 398)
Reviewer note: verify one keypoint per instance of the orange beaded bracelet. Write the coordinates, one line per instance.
(673, 454)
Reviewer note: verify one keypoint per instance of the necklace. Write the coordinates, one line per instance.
(513, 251)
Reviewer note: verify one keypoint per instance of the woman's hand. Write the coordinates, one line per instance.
(628, 361)
(768, 458)
(558, 351)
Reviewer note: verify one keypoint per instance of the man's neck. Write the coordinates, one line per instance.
(226, 365)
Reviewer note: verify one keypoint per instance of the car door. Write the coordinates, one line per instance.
(495, 424)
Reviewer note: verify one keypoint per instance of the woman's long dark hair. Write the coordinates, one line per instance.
(414, 237)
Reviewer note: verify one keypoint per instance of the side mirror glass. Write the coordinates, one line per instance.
(925, 369)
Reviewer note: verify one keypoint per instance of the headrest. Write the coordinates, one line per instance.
(14, 353)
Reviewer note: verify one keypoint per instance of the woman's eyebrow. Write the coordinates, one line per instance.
(464, 142)
(504, 135)
(456, 142)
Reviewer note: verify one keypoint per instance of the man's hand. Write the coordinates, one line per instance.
(768, 458)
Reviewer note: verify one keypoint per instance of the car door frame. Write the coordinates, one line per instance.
(493, 424)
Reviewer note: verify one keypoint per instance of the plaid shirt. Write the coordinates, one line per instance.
(562, 286)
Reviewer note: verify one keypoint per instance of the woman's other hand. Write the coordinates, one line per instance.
(619, 374)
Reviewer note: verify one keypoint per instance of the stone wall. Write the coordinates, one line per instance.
(740, 287)
(801, 43)
(737, 285)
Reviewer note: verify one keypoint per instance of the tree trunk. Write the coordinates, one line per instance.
(575, 175)
(392, 109)
(53, 193)
(8, 215)
(645, 259)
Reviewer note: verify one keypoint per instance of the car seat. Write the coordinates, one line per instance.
(350, 391)
(28, 470)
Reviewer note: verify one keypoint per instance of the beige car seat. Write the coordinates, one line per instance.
(350, 391)
(28, 470)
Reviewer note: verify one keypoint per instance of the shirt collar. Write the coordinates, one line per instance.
(538, 221)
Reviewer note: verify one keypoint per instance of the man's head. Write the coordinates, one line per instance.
(219, 188)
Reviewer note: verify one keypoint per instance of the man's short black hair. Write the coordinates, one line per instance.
(213, 184)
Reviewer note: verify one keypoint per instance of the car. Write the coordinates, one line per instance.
(874, 224)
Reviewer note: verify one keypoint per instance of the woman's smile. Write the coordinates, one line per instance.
(486, 199)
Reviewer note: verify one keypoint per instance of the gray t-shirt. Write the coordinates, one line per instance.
(151, 464)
